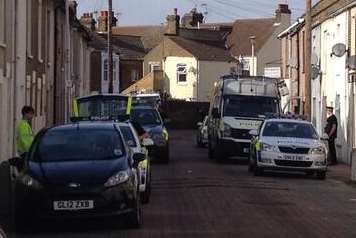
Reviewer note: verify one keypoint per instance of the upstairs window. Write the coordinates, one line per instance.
(2, 22)
(181, 73)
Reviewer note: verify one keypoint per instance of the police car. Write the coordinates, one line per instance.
(144, 167)
(289, 145)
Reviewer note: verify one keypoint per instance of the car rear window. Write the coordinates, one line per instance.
(128, 136)
(290, 129)
(67, 145)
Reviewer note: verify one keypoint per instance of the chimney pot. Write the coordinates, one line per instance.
(175, 11)
(283, 9)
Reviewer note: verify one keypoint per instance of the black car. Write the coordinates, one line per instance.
(149, 118)
(79, 170)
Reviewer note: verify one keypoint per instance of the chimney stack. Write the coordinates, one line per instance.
(88, 21)
(172, 27)
(283, 15)
(103, 21)
(192, 19)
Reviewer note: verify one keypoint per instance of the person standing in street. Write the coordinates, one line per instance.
(331, 130)
(24, 134)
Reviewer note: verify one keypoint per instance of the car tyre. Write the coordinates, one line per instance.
(219, 154)
(210, 151)
(165, 155)
(134, 218)
(145, 196)
(321, 175)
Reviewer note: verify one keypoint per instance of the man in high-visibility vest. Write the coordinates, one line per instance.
(24, 134)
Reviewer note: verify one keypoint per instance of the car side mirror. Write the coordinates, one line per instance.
(147, 142)
(253, 132)
(215, 113)
(199, 124)
(325, 136)
(17, 162)
(137, 158)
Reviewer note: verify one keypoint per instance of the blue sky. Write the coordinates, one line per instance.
(153, 12)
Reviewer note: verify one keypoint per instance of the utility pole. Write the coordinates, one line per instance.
(110, 60)
(308, 48)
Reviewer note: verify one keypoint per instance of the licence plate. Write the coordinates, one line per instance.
(246, 150)
(294, 157)
(72, 205)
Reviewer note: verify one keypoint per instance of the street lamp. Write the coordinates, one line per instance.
(253, 42)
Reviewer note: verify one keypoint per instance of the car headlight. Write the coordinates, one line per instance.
(226, 130)
(165, 134)
(28, 181)
(318, 151)
(269, 148)
(119, 178)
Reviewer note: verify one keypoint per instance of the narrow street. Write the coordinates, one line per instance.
(195, 197)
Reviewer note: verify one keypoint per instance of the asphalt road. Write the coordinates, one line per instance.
(195, 197)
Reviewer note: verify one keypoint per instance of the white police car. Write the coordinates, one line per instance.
(288, 145)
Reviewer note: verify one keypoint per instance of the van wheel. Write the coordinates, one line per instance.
(219, 154)
(210, 151)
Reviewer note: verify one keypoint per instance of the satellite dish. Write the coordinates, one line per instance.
(314, 59)
(315, 72)
(339, 50)
(352, 62)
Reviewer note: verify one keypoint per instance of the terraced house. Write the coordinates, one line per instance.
(333, 64)
(43, 62)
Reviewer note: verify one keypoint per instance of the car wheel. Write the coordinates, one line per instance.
(165, 155)
(321, 175)
(134, 218)
(145, 196)
(210, 151)
(257, 171)
(250, 164)
(199, 144)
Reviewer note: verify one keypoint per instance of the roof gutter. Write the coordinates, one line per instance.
(290, 29)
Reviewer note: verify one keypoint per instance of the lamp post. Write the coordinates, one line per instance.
(253, 42)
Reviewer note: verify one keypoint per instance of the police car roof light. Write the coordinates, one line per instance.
(120, 118)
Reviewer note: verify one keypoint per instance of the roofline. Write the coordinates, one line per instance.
(290, 29)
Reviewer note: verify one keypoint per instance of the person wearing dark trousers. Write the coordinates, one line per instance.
(331, 130)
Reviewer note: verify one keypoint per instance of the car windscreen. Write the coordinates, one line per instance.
(146, 117)
(82, 144)
(247, 106)
(107, 107)
(128, 136)
(290, 129)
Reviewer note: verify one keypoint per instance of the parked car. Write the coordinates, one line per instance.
(2, 233)
(82, 169)
(150, 119)
(144, 167)
(289, 145)
(202, 133)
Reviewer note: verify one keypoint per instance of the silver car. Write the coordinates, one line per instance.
(288, 145)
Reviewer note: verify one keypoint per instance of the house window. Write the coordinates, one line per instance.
(105, 68)
(181, 73)
(29, 28)
(154, 66)
(2, 22)
(134, 75)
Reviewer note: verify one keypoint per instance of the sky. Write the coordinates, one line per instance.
(154, 12)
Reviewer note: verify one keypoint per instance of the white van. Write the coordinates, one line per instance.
(238, 105)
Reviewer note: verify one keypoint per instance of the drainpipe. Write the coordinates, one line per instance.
(14, 73)
(198, 78)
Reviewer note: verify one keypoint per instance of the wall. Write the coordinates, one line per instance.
(209, 72)
(317, 111)
(270, 55)
(335, 86)
(177, 90)
(126, 68)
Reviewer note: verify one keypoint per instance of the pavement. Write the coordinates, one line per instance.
(193, 196)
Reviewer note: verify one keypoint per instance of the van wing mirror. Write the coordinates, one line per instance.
(253, 132)
(215, 113)
(137, 158)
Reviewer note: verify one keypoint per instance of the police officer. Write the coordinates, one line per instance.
(331, 130)
(24, 134)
